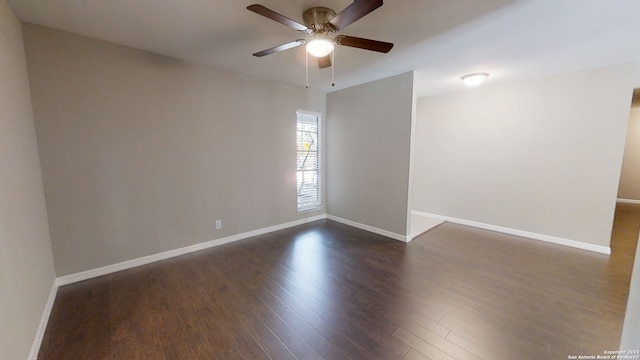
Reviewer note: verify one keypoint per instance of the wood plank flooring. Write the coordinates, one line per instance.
(328, 291)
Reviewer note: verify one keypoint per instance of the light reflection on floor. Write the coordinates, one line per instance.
(308, 258)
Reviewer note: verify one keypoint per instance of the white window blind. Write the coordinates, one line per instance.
(308, 168)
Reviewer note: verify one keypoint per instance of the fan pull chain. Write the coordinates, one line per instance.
(333, 67)
(306, 68)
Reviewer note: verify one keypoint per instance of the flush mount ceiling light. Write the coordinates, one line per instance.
(320, 46)
(474, 79)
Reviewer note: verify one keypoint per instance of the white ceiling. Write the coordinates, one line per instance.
(440, 39)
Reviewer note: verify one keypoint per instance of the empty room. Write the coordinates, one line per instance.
(309, 179)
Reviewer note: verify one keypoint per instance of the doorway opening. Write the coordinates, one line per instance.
(626, 225)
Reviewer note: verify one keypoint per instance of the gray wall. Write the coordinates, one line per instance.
(26, 263)
(141, 153)
(630, 177)
(542, 155)
(368, 153)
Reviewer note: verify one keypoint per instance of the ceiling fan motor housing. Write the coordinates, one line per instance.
(317, 19)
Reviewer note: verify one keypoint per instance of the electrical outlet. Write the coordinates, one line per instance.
(218, 224)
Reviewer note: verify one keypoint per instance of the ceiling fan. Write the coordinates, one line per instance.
(321, 23)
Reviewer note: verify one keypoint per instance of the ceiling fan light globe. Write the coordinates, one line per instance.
(319, 47)
(474, 79)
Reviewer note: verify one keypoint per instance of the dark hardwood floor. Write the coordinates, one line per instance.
(328, 291)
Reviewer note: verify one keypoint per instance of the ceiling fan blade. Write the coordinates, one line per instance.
(324, 62)
(287, 46)
(367, 44)
(353, 12)
(259, 9)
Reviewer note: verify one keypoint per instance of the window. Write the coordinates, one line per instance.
(308, 168)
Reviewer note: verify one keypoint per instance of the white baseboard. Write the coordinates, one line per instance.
(109, 269)
(628, 201)
(44, 320)
(535, 236)
(420, 224)
(372, 229)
